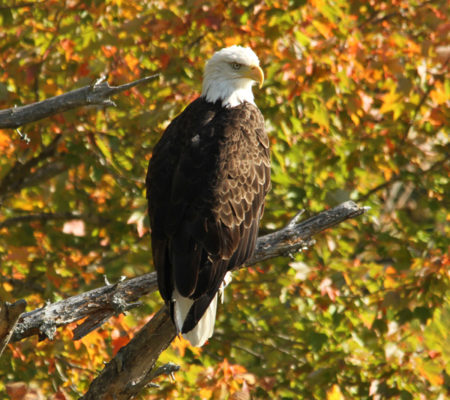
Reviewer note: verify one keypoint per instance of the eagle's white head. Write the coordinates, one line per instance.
(230, 74)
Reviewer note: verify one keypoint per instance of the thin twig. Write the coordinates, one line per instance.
(42, 217)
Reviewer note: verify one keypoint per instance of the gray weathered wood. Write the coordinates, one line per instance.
(295, 236)
(102, 303)
(127, 374)
(131, 369)
(97, 94)
(98, 305)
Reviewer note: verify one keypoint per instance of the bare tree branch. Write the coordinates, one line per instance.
(102, 303)
(43, 217)
(98, 305)
(131, 370)
(127, 374)
(97, 94)
(295, 236)
(57, 216)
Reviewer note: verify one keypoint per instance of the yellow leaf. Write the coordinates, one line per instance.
(438, 94)
(324, 30)
(390, 283)
(355, 119)
(335, 393)
(387, 172)
(205, 393)
(390, 101)
(180, 344)
(431, 371)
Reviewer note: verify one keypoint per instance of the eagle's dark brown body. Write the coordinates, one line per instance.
(206, 184)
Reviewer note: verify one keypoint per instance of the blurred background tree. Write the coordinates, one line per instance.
(356, 102)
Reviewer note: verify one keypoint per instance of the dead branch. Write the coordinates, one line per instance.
(132, 368)
(102, 303)
(127, 374)
(97, 94)
(41, 217)
(98, 305)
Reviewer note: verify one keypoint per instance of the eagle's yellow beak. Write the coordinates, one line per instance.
(256, 73)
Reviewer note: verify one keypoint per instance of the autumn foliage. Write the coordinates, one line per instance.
(356, 101)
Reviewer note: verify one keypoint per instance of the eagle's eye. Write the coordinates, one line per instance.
(236, 65)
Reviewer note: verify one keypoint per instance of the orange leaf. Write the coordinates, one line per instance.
(119, 342)
(5, 140)
(68, 46)
(131, 61)
(109, 51)
(326, 287)
(180, 344)
(390, 270)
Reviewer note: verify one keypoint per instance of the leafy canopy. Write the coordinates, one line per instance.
(357, 106)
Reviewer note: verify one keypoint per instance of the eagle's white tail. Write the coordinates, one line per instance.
(205, 327)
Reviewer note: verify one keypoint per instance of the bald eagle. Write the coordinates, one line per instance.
(206, 183)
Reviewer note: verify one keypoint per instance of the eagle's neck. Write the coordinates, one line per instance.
(230, 92)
